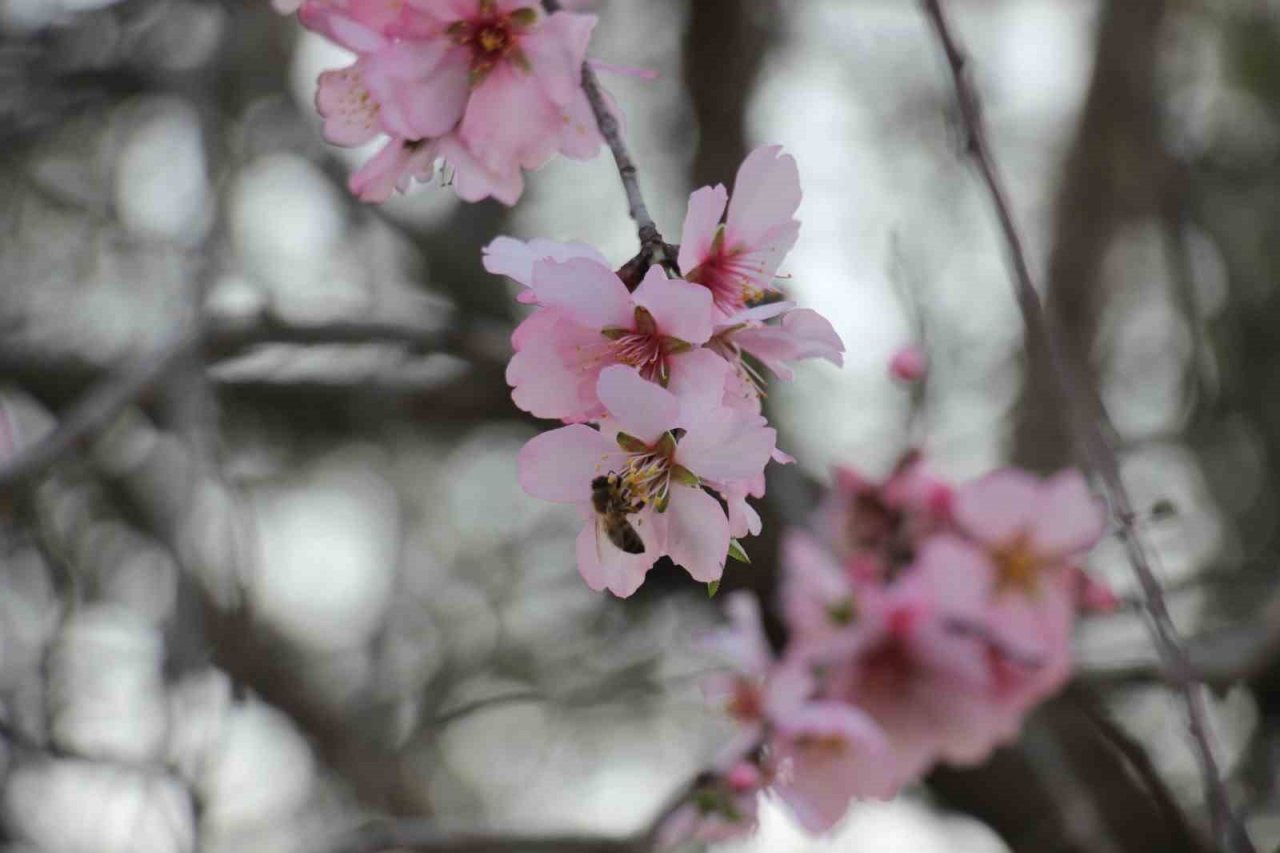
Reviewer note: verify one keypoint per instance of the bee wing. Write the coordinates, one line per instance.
(600, 532)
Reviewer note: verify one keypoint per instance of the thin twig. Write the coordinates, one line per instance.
(1084, 415)
(650, 237)
(119, 389)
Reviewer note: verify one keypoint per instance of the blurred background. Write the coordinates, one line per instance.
(296, 588)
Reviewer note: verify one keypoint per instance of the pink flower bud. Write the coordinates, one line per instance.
(909, 364)
(744, 776)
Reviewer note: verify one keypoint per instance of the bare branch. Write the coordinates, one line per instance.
(650, 237)
(429, 837)
(1085, 415)
(112, 394)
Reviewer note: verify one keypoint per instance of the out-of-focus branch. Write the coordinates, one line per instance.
(650, 237)
(428, 837)
(104, 401)
(1084, 415)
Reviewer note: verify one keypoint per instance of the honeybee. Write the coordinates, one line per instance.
(612, 507)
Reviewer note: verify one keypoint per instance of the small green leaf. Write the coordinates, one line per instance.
(684, 476)
(736, 551)
(631, 444)
(712, 589)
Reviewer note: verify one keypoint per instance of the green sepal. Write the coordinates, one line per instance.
(717, 242)
(614, 333)
(666, 445)
(631, 444)
(684, 476)
(737, 553)
(660, 503)
(645, 324)
(675, 346)
(842, 612)
(712, 589)
(520, 61)
(525, 17)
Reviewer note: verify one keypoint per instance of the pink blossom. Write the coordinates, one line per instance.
(655, 482)
(799, 334)
(818, 594)
(909, 364)
(828, 753)
(920, 662)
(352, 118)
(737, 260)
(877, 524)
(588, 320)
(515, 259)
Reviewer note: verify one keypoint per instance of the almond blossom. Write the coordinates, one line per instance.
(816, 756)
(909, 364)
(588, 320)
(737, 260)
(492, 87)
(1032, 534)
(659, 481)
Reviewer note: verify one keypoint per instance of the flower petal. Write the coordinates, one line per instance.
(697, 533)
(766, 196)
(559, 465)
(725, 445)
(603, 566)
(701, 220)
(640, 407)
(586, 290)
(515, 258)
(999, 507)
(682, 310)
(1069, 519)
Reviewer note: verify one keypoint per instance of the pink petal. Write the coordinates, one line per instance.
(725, 445)
(682, 310)
(698, 381)
(509, 121)
(701, 220)
(559, 465)
(1069, 519)
(958, 576)
(544, 382)
(473, 181)
(336, 24)
(999, 507)
(743, 519)
(391, 169)
(603, 566)
(556, 51)
(350, 115)
(585, 290)
(422, 87)
(697, 533)
(641, 408)
(515, 258)
(766, 195)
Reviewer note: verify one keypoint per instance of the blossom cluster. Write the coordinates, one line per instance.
(491, 87)
(924, 620)
(659, 379)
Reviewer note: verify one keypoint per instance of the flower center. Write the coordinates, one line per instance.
(492, 36)
(1017, 567)
(733, 279)
(643, 352)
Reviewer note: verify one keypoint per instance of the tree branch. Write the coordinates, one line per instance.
(103, 402)
(1085, 418)
(650, 237)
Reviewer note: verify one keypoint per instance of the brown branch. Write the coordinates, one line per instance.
(103, 402)
(650, 237)
(1084, 414)
(429, 837)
